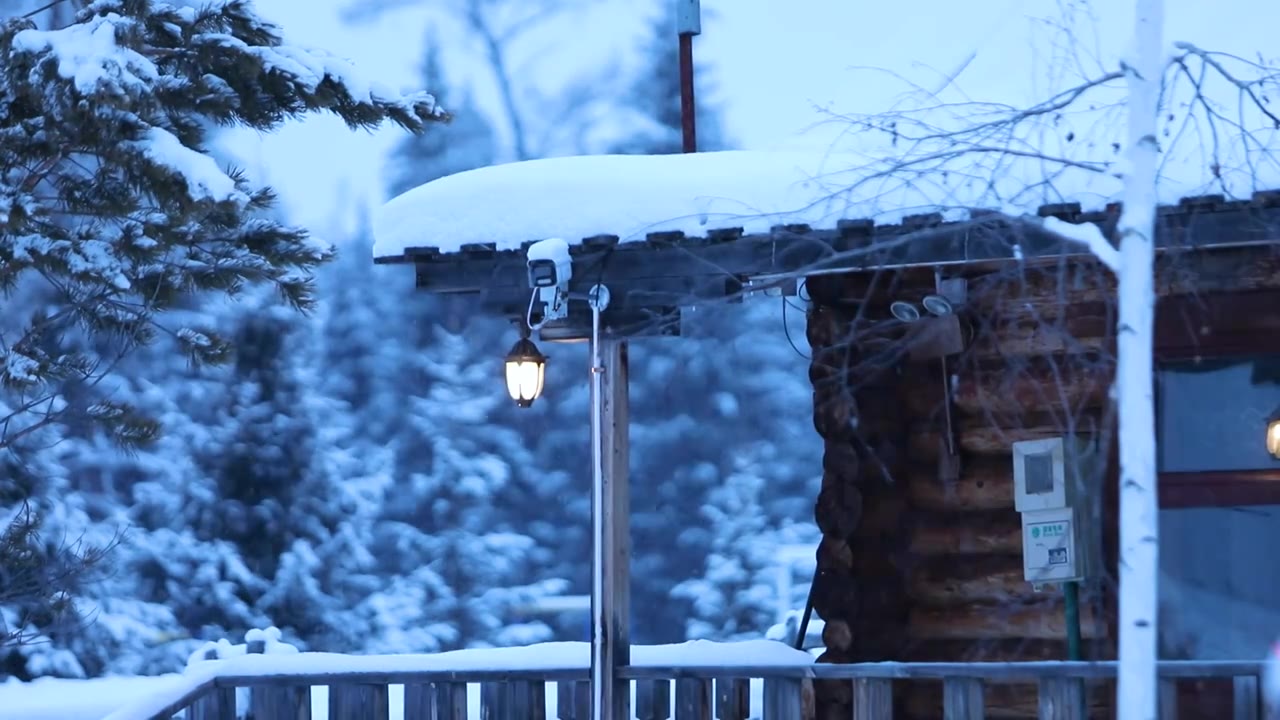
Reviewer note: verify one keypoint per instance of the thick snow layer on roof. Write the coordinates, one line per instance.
(631, 195)
(625, 195)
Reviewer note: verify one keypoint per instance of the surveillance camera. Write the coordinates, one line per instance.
(550, 269)
(549, 263)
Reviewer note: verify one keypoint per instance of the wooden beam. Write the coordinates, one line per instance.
(1219, 489)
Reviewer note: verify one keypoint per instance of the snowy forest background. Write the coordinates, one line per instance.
(358, 477)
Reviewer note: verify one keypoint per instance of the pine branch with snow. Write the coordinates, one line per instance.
(110, 202)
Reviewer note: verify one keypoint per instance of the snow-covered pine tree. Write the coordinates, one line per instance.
(111, 212)
(735, 597)
(466, 143)
(107, 194)
(653, 96)
(467, 493)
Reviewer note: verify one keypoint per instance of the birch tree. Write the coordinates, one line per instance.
(1139, 505)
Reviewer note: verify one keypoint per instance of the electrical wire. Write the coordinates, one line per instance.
(786, 328)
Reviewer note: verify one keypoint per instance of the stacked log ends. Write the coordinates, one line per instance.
(859, 589)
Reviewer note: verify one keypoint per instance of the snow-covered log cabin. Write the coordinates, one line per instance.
(962, 359)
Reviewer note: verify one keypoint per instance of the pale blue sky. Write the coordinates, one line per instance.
(776, 63)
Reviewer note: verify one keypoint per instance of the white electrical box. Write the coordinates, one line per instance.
(1051, 547)
(1046, 473)
(1053, 483)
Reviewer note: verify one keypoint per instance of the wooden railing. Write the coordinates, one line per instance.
(662, 693)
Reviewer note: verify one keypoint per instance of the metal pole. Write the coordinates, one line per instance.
(1071, 602)
(610, 527)
(688, 24)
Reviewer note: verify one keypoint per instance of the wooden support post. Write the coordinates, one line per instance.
(611, 530)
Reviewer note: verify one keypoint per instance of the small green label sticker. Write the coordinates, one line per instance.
(1049, 530)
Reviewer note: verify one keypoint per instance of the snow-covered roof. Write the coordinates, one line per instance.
(504, 207)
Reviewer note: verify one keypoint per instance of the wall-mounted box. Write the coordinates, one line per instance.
(1056, 488)
(1052, 547)
(1050, 473)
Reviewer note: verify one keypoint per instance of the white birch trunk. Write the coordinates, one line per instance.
(1136, 689)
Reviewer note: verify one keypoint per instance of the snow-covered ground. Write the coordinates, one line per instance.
(59, 699)
(137, 698)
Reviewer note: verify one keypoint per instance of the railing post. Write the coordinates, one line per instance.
(418, 703)
(360, 700)
(573, 700)
(450, 700)
(782, 698)
(1168, 699)
(1246, 703)
(653, 699)
(218, 704)
(962, 699)
(693, 699)
(733, 698)
(1061, 698)
(287, 702)
(873, 699)
(530, 699)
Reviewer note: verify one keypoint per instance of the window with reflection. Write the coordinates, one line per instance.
(1220, 514)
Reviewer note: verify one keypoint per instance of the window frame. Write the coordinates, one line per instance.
(1216, 326)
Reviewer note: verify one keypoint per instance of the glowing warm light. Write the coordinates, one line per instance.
(1273, 438)
(526, 370)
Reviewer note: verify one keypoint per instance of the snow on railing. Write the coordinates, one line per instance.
(698, 680)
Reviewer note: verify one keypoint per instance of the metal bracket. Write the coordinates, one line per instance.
(688, 17)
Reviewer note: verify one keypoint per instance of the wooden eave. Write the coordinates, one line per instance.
(651, 279)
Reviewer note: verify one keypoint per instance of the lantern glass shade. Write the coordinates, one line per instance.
(526, 368)
(1273, 437)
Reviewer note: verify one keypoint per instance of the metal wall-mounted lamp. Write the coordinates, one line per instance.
(904, 311)
(937, 305)
(942, 302)
(526, 368)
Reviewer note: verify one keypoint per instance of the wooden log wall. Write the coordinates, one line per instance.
(921, 552)
(861, 583)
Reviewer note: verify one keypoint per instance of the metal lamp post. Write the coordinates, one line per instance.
(610, 521)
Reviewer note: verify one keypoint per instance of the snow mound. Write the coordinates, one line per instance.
(256, 641)
(632, 195)
(624, 195)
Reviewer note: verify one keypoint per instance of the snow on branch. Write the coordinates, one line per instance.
(109, 195)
